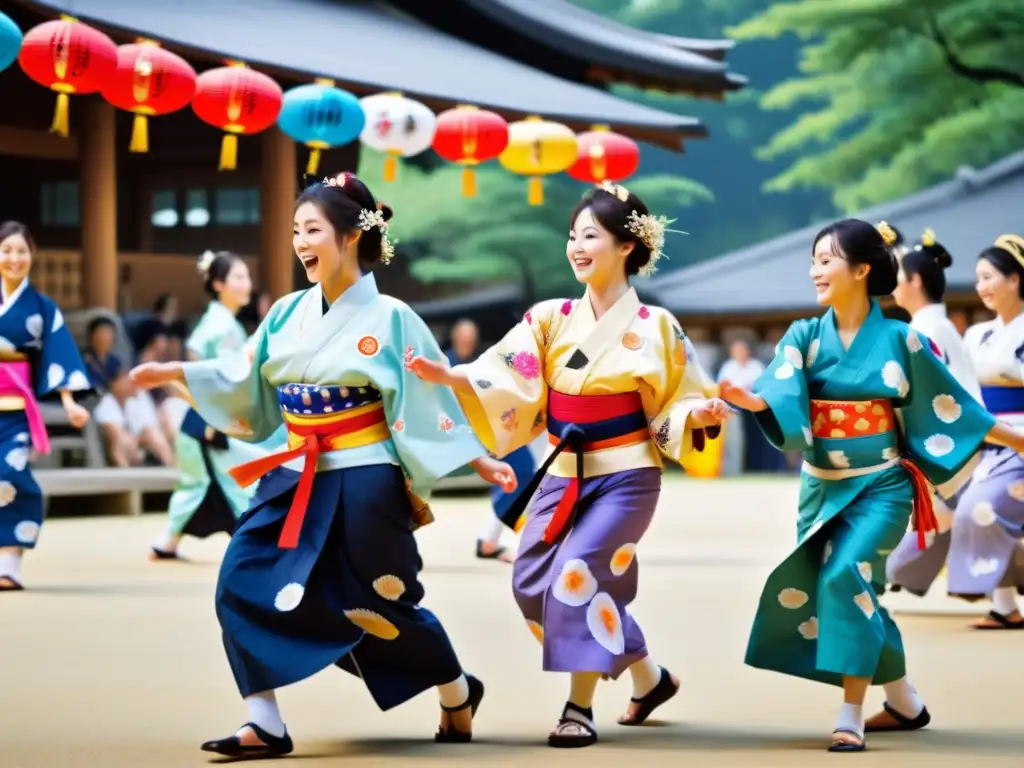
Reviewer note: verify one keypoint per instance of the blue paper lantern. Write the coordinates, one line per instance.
(320, 116)
(10, 42)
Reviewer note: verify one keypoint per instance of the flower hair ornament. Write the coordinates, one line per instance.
(889, 236)
(650, 229)
(368, 219)
(205, 262)
(1012, 244)
(928, 238)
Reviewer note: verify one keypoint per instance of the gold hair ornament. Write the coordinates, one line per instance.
(1012, 244)
(648, 228)
(205, 262)
(889, 236)
(368, 219)
(928, 238)
(615, 189)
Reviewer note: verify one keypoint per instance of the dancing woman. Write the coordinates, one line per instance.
(323, 568)
(206, 500)
(618, 387)
(878, 417)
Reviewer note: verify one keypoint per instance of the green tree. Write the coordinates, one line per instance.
(496, 237)
(902, 92)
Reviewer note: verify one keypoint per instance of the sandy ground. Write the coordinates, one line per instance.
(111, 660)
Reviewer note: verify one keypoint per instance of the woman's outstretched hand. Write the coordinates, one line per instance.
(741, 398)
(152, 375)
(712, 413)
(496, 473)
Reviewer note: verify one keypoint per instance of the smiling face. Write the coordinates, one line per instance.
(996, 291)
(594, 253)
(15, 259)
(834, 278)
(235, 290)
(316, 243)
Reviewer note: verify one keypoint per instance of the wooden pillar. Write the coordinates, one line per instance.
(97, 143)
(278, 189)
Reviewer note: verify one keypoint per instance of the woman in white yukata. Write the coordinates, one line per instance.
(323, 569)
(619, 389)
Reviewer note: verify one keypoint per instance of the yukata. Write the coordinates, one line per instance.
(206, 500)
(879, 424)
(323, 568)
(38, 357)
(613, 395)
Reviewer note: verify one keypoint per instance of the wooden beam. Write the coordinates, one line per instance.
(98, 184)
(278, 190)
(41, 145)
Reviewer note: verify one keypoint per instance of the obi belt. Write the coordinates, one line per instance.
(841, 420)
(17, 394)
(580, 424)
(1003, 400)
(318, 420)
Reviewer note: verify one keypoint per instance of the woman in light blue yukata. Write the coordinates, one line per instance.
(879, 419)
(323, 568)
(38, 358)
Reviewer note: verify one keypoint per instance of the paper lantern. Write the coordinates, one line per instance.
(239, 101)
(538, 148)
(602, 155)
(10, 41)
(149, 81)
(70, 58)
(320, 116)
(470, 136)
(398, 126)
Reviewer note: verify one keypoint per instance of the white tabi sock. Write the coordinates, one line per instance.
(1004, 600)
(264, 712)
(646, 675)
(851, 718)
(582, 687)
(455, 693)
(901, 696)
(491, 533)
(10, 566)
(167, 542)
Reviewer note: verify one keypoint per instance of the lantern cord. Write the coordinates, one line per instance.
(314, 161)
(468, 182)
(228, 152)
(140, 135)
(61, 119)
(536, 194)
(390, 168)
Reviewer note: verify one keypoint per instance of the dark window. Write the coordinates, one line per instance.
(237, 207)
(165, 209)
(58, 204)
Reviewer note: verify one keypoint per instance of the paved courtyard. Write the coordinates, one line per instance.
(111, 660)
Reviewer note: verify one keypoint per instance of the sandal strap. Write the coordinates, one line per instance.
(850, 732)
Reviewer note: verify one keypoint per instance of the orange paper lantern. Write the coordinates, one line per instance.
(604, 156)
(470, 136)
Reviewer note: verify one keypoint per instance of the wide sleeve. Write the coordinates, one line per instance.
(60, 364)
(943, 425)
(508, 406)
(786, 423)
(428, 429)
(669, 396)
(230, 392)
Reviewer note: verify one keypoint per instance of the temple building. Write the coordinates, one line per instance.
(116, 229)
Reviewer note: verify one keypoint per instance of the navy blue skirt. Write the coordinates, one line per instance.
(348, 595)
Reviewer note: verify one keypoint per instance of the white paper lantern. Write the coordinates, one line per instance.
(397, 125)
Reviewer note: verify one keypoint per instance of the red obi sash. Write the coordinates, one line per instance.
(15, 381)
(844, 419)
(308, 437)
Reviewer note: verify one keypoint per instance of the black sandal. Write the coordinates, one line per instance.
(272, 746)
(659, 694)
(163, 554)
(13, 585)
(842, 746)
(903, 723)
(586, 734)
(451, 734)
(1002, 621)
(495, 555)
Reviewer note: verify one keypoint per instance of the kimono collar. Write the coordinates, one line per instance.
(627, 302)
(13, 296)
(865, 332)
(362, 291)
(217, 308)
(931, 312)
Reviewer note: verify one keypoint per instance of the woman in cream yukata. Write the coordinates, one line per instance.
(879, 419)
(38, 358)
(617, 387)
(323, 568)
(983, 551)
(206, 499)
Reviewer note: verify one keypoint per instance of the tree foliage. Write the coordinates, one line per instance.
(899, 93)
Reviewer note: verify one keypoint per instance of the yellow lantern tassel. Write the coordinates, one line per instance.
(228, 152)
(61, 119)
(390, 168)
(536, 196)
(314, 161)
(140, 135)
(468, 182)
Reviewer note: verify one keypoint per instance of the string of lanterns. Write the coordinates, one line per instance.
(72, 58)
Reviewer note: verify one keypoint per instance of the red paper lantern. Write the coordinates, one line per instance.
(67, 57)
(470, 136)
(239, 101)
(604, 156)
(149, 81)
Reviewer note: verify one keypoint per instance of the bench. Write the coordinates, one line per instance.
(116, 490)
(66, 438)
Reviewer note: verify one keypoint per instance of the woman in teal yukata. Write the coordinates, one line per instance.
(878, 417)
(206, 500)
(323, 568)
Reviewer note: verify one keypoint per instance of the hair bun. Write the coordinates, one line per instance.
(943, 258)
(385, 210)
